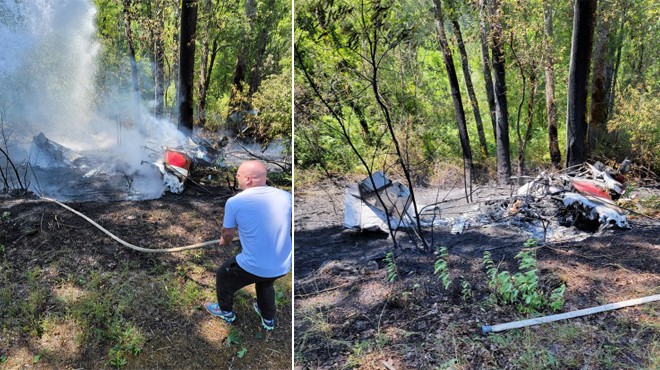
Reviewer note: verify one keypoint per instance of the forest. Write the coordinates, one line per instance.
(95, 95)
(483, 85)
(235, 59)
(440, 149)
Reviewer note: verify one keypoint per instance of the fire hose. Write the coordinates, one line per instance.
(132, 246)
(485, 329)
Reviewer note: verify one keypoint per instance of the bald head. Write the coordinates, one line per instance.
(251, 174)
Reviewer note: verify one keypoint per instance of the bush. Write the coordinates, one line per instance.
(635, 127)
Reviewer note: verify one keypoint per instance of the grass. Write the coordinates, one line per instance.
(317, 328)
(105, 308)
(573, 345)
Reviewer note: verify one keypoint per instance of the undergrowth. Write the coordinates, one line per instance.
(442, 267)
(390, 265)
(522, 289)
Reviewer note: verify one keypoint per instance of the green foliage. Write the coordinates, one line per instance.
(116, 358)
(182, 295)
(128, 340)
(331, 38)
(556, 300)
(636, 125)
(37, 357)
(280, 297)
(3, 358)
(442, 267)
(466, 290)
(268, 30)
(273, 101)
(653, 202)
(234, 337)
(522, 289)
(390, 266)
(241, 353)
(358, 351)
(630, 188)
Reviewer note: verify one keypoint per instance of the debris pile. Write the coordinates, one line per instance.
(64, 173)
(553, 206)
(584, 199)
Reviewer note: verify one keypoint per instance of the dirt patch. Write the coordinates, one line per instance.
(348, 316)
(71, 297)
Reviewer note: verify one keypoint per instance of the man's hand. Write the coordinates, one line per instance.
(227, 236)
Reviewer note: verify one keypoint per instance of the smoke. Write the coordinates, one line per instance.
(49, 68)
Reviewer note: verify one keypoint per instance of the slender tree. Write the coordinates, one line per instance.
(209, 50)
(501, 106)
(603, 68)
(582, 40)
(528, 73)
(550, 101)
(237, 101)
(485, 65)
(456, 98)
(617, 63)
(187, 64)
(468, 85)
(158, 65)
(261, 43)
(132, 58)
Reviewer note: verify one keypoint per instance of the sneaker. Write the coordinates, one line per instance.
(267, 324)
(215, 310)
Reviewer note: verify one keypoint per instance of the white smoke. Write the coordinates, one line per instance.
(48, 75)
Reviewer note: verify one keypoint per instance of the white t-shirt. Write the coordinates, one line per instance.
(263, 217)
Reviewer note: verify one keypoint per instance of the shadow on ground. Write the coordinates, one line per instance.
(348, 316)
(71, 297)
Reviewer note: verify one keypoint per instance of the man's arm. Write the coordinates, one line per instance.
(227, 235)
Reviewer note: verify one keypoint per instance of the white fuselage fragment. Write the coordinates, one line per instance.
(594, 209)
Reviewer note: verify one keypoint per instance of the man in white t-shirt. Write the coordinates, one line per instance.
(262, 215)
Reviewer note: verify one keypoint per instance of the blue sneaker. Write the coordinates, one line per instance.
(267, 324)
(215, 310)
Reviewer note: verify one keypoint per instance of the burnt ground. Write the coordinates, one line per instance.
(71, 297)
(348, 316)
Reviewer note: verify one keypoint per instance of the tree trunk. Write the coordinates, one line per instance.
(456, 98)
(533, 84)
(187, 64)
(582, 39)
(470, 88)
(617, 63)
(550, 102)
(237, 102)
(131, 55)
(159, 59)
(501, 107)
(262, 42)
(204, 88)
(600, 85)
(173, 68)
(485, 61)
(359, 112)
(204, 67)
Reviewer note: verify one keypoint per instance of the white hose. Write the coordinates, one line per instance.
(132, 246)
(485, 329)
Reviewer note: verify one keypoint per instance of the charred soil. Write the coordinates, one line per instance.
(348, 316)
(71, 297)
